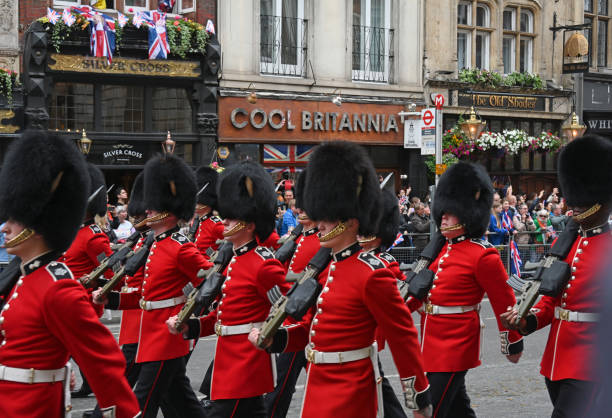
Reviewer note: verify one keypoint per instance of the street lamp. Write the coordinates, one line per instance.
(168, 144)
(574, 129)
(473, 126)
(84, 143)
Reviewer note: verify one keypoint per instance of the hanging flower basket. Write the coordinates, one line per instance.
(9, 81)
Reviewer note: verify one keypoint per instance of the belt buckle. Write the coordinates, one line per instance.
(124, 289)
(32, 372)
(429, 308)
(310, 355)
(218, 328)
(564, 314)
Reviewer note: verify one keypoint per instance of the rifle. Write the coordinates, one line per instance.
(193, 229)
(419, 279)
(551, 274)
(8, 278)
(299, 298)
(288, 244)
(134, 261)
(201, 297)
(111, 261)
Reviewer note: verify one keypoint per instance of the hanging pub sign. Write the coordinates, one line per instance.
(575, 53)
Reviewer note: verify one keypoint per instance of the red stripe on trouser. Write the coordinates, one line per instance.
(283, 387)
(152, 387)
(235, 408)
(443, 394)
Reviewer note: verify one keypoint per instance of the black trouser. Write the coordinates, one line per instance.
(571, 398)
(288, 369)
(391, 405)
(206, 382)
(448, 395)
(132, 369)
(237, 408)
(166, 379)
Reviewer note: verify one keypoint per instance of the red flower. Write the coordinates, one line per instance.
(130, 10)
(176, 23)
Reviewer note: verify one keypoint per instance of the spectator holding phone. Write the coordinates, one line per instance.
(523, 223)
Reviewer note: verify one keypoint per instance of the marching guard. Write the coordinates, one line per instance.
(43, 192)
(466, 268)
(254, 280)
(210, 227)
(358, 295)
(173, 261)
(568, 360)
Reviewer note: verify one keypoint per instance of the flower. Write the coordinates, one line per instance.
(176, 23)
(131, 10)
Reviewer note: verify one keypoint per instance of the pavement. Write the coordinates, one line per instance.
(497, 388)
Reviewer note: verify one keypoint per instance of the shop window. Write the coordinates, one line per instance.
(71, 106)
(517, 45)
(283, 37)
(135, 5)
(596, 12)
(171, 110)
(64, 3)
(122, 108)
(186, 6)
(473, 35)
(372, 41)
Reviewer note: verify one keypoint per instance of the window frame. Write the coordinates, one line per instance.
(191, 9)
(474, 31)
(468, 49)
(512, 53)
(595, 16)
(135, 9)
(66, 3)
(519, 35)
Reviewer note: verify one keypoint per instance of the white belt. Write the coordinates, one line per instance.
(224, 330)
(572, 316)
(319, 357)
(149, 305)
(448, 310)
(31, 376)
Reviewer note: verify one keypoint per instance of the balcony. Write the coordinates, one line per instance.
(283, 49)
(372, 54)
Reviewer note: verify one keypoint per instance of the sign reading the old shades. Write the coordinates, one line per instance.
(503, 101)
(308, 121)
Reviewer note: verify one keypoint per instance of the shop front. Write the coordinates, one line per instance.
(281, 134)
(597, 104)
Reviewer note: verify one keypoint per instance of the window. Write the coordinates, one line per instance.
(520, 59)
(71, 107)
(473, 40)
(58, 3)
(136, 5)
(284, 34)
(171, 110)
(186, 6)
(122, 108)
(372, 41)
(588, 6)
(597, 15)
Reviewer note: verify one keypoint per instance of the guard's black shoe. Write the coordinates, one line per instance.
(88, 413)
(81, 393)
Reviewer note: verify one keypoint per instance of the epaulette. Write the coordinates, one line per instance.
(264, 253)
(215, 219)
(371, 261)
(387, 257)
(180, 238)
(481, 242)
(95, 229)
(59, 271)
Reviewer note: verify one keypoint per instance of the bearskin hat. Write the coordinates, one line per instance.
(341, 184)
(44, 185)
(465, 190)
(170, 185)
(136, 207)
(96, 203)
(299, 190)
(389, 221)
(248, 195)
(207, 176)
(584, 171)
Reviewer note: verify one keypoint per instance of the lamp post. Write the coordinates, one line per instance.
(573, 129)
(472, 127)
(84, 143)
(168, 144)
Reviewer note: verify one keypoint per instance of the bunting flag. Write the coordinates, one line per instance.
(515, 259)
(68, 17)
(122, 19)
(158, 42)
(506, 221)
(102, 38)
(166, 5)
(52, 15)
(398, 240)
(210, 27)
(137, 20)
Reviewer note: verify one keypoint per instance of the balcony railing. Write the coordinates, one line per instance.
(372, 54)
(283, 47)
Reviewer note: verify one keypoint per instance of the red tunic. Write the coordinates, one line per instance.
(130, 318)
(209, 231)
(465, 270)
(51, 321)
(173, 262)
(270, 242)
(359, 295)
(240, 369)
(82, 256)
(571, 345)
(392, 265)
(307, 246)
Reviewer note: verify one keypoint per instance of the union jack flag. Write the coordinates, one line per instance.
(102, 38)
(121, 19)
(68, 18)
(506, 221)
(166, 5)
(398, 240)
(52, 15)
(210, 27)
(516, 262)
(286, 154)
(158, 42)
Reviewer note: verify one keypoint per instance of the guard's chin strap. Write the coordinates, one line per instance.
(336, 230)
(200, 206)
(155, 219)
(303, 217)
(141, 225)
(451, 228)
(589, 212)
(21, 237)
(239, 226)
(365, 240)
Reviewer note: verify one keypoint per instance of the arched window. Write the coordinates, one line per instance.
(517, 45)
(473, 34)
